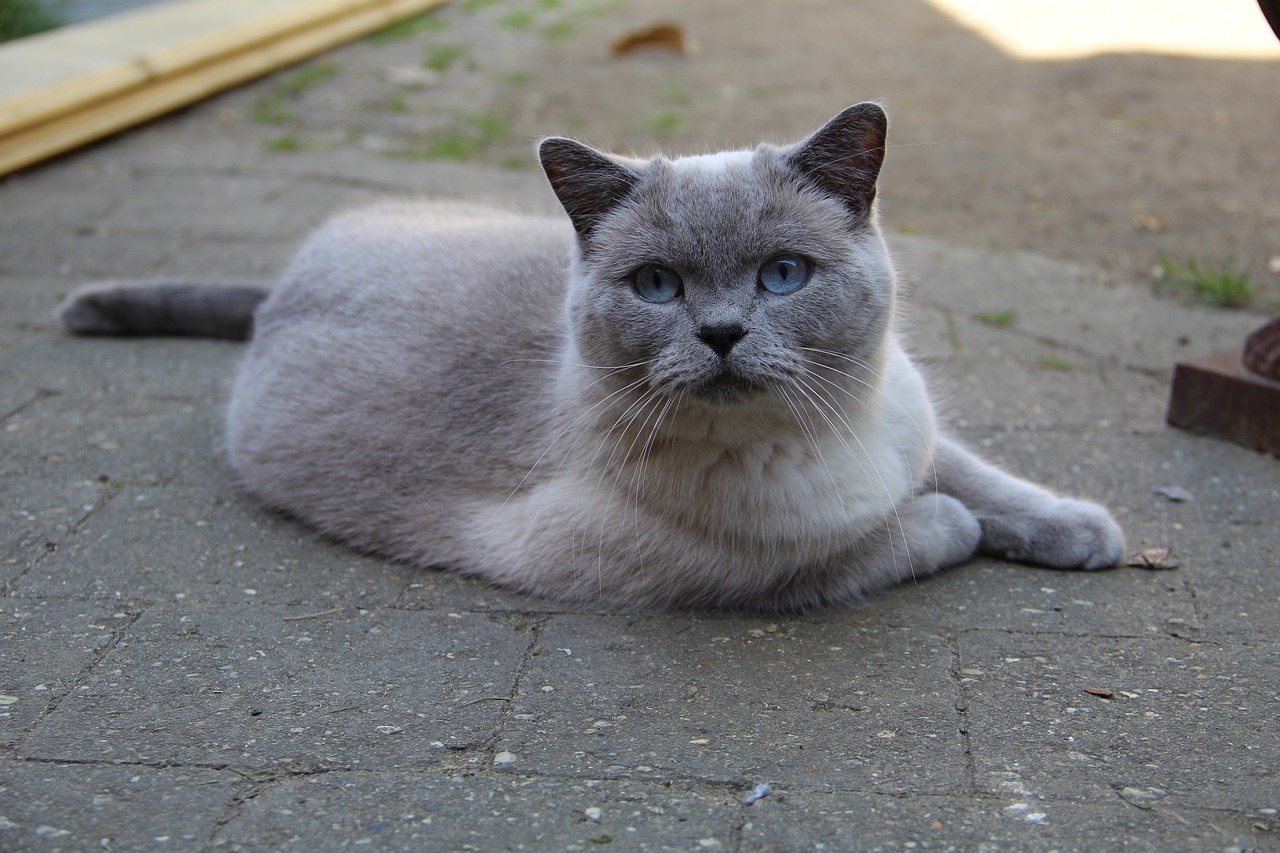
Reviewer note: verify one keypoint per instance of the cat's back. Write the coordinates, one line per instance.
(396, 336)
(441, 260)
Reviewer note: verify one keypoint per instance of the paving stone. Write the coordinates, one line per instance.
(47, 645)
(104, 369)
(47, 806)
(41, 249)
(277, 687)
(208, 543)
(1069, 303)
(808, 820)
(479, 811)
(1234, 572)
(986, 593)
(996, 377)
(1192, 720)
(1225, 482)
(849, 704)
(37, 516)
(220, 206)
(129, 439)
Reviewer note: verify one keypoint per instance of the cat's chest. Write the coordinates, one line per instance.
(790, 487)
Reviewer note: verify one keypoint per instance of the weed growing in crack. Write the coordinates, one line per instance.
(1224, 285)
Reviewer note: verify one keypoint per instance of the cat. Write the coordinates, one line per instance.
(689, 393)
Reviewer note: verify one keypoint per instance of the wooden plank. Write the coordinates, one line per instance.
(87, 87)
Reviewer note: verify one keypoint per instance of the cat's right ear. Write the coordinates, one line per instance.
(588, 183)
(844, 157)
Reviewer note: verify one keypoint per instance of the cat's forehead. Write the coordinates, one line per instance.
(710, 165)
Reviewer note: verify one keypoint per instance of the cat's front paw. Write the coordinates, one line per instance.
(1064, 534)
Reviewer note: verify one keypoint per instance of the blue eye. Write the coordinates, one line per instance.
(656, 283)
(785, 273)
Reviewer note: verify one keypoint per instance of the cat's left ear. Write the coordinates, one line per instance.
(844, 157)
(589, 184)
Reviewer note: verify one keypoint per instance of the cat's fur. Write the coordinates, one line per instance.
(465, 388)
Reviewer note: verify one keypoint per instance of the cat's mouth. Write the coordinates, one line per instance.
(727, 387)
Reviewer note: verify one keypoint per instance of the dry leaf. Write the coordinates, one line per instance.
(663, 36)
(1153, 558)
(1152, 222)
(1101, 692)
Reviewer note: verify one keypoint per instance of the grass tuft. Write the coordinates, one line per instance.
(19, 18)
(426, 22)
(1223, 285)
(441, 57)
(998, 319)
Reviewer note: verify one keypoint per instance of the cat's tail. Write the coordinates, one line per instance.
(163, 307)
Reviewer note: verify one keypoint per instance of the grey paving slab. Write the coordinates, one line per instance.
(1192, 720)
(49, 806)
(277, 687)
(1073, 305)
(1234, 571)
(219, 206)
(126, 439)
(796, 820)
(846, 704)
(41, 249)
(481, 811)
(1214, 479)
(97, 370)
(983, 376)
(38, 515)
(207, 544)
(47, 645)
(29, 305)
(985, 593)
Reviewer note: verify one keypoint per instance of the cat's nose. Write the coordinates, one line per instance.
(721, 338)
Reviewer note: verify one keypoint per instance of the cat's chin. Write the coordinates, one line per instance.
(727, 389)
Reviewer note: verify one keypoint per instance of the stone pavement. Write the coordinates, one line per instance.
(182, 670)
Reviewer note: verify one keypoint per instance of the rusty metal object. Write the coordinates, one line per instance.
(1221, 396)
(1262, 351)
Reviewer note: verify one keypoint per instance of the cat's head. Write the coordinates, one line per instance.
(726, 275)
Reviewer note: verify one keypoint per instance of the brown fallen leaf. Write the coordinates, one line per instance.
(1155, 559)
(1149, 221)
(662, 36)
(1102, 692)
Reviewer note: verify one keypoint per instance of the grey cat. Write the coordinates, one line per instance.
(689, 394)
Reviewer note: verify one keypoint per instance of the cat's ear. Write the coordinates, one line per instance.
(844, 157)
(588, 183)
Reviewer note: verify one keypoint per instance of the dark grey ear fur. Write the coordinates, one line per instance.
(843, 158)
(588, 183)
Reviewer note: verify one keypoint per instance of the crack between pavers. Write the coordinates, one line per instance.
(962, 710)
(39, 395)
(117, 634)
(1096, 359)
(532, 649)
(9, 587)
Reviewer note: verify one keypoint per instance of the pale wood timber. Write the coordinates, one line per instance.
(71, 86)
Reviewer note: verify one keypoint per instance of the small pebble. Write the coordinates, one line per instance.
(504, 757)
(593, 814)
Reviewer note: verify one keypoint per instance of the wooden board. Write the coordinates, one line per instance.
(71, 86)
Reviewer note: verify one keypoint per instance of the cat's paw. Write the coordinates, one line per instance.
(1063, 534)
(956, 532)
